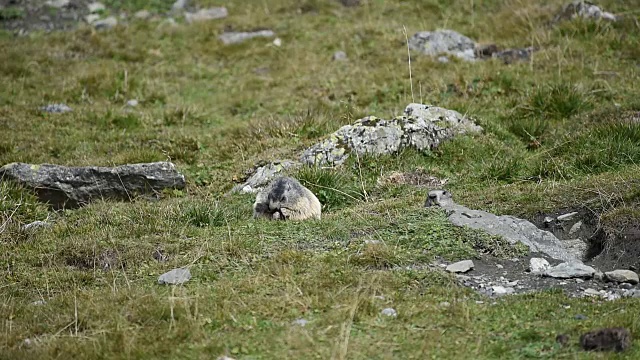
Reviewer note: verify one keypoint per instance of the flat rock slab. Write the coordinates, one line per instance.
(72, 187)
(175, 277)
(570, 270)
(206, 14)
(513, 229)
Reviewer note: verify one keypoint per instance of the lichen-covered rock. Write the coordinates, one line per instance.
(585, 10)
(423, 127)
(72, 187)
(263, 175)
(439, 42)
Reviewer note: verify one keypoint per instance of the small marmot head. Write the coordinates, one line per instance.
(438, 198)
(284, 193)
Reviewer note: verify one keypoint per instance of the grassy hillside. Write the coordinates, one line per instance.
(561, 131)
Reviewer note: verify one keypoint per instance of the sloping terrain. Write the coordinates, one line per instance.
(561, 133)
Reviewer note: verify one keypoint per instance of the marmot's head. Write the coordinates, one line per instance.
(285, 193)
(438, 198)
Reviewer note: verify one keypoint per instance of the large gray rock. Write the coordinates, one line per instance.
(71, 187)
(175, 277)
(422, 127)
(585, 10)
(439, 42)
(511, 228)
(570, 270)
(263, 175)
(228, 38)
(622, 276)
(206, 14)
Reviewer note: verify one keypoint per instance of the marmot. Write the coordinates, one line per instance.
(286, 199)
(618, 339)
(438, 198)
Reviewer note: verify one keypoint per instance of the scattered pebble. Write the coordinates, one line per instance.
(570, 270)
(179, 5)
(389, 312)
(501, 290)
(339, 56)
(443, 59)
(58, 4)
(142, 14)
(460, 266)
(548, 220)
(580, 317)
(499, 266)
(568, 216)
(575, 228)
(91, 18)
(35, 225)
(175, 277)
(229, 38)
(39, 302)
(592, 292)
(132, 103)
(96, 7)
(104, 24)
(300, 322)
(277, 42)
(56, 108)
(445, 304)
(206, 14)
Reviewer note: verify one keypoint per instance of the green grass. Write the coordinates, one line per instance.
(557, 135)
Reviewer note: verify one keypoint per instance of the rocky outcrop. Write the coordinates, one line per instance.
(422, 127)
(263, 175)
(72, 187)
(511, 228)
(229, 38)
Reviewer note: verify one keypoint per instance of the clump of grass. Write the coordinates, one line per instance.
(334, 189)
(529, 130)
(375, 255)
(19, 204)
(556, 102)
(203, 214)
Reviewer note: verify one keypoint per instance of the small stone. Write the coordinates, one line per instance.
(96, 7)
(575, 228)
(300, 322)
(107, 23)
(91, 18)
(206, 14)
(622, 276)
(591, 292)
(568, 216)
(626, 286)
(570, 270)
(479, 302)
(56, 108)
(501, 290)
(39, 303)
(229, 38)
(132, 103)
(460, 266)
(339, 56)
(548, 220)
(389, 312)
(580, 317)
(538, 265)
(175, 277)
(35, 225)
(277, 42)
(58, 4)
(443, 59)
(142, 14)
(445, 304)
(27, 342)
(179, 5)
(499, 266)
(579, 281)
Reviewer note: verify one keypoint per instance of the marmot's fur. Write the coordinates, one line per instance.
(618, 339)
(286, 199)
